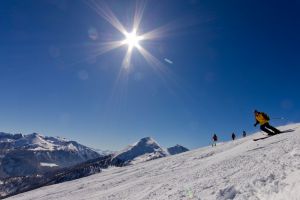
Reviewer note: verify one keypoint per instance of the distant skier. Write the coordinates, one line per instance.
(244, 134)
(263, 119)
(233, 136)
(214, 139)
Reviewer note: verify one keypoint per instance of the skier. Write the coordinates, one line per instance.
(244, 134)
(263, 119)
(214, 139)
(233, 136)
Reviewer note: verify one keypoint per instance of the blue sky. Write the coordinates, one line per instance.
(228, 58)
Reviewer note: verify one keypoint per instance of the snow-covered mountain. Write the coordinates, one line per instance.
(22, 155)
(30, 169)
(177, 149)
(241, 169)
(144, 150)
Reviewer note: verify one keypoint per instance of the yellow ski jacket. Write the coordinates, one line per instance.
(261, 118)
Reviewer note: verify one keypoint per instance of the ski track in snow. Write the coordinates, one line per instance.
(241, 169)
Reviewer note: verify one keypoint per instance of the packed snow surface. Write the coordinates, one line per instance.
(240, 169)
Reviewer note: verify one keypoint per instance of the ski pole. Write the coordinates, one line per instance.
(277, 118)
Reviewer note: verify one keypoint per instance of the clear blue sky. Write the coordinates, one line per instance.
(229, 57)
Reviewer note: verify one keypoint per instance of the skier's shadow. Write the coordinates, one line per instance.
(266, 146)
(256, 149)
(278, 141)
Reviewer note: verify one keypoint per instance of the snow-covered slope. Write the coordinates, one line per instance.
(22, 155)
(242, 169)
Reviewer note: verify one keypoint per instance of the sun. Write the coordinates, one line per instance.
(132, 39)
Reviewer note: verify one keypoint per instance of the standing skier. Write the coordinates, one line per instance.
(244, 134)
(233, 136)
(263, 119)
(214, 140)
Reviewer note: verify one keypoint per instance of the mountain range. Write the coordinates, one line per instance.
(22, 155)
(32, 161)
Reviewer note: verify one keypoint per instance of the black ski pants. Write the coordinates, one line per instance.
(269, 129)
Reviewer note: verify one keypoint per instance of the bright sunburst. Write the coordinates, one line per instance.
(134, 39)
(131, 39)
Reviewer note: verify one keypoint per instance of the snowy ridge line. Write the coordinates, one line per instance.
(146, 149)
(240, 170)
(26, 155)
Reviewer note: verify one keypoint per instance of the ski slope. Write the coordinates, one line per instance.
(242, 169)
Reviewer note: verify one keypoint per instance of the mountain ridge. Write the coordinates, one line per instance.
(33, 153)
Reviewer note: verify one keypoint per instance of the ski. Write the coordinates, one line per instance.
(288, 130)
(284, 131)
(262, 138)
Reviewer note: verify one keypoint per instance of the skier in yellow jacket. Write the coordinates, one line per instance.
(263, 119)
